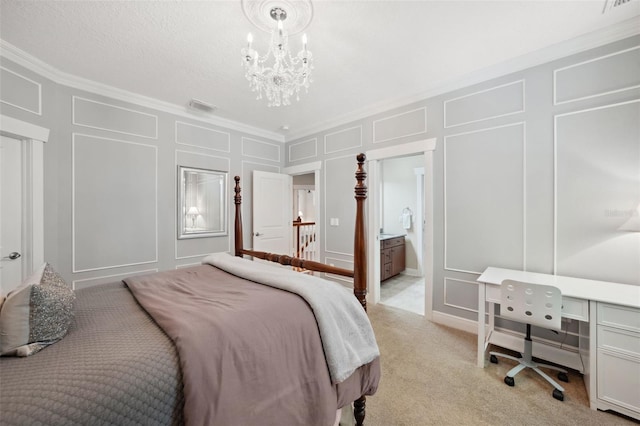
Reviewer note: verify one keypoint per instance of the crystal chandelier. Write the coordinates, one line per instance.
(278, 74)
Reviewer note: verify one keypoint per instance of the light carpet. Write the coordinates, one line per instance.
(429, 377)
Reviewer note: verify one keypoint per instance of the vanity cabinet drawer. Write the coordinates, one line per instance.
(619, 316)
(615, 339)
(393, 242)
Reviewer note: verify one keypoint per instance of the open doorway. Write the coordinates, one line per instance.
(375, 158)
(305, 235)
(401, 206)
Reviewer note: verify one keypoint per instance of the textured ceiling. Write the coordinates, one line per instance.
(367, 54)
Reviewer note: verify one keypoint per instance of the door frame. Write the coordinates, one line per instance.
(33, 138)
(426, 147)
(303, 169)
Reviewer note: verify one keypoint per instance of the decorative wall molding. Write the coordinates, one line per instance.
(331, 261)
(555, 167)
(579, 44)
(245, 152)
(524, 194)
(35, 83)
(230, 205)
(423, 129)
(583, 63)
(75, 107)
(34, 64)
(481, 92)
(74, 268)
(315, 149)
(343, 148)
(226, 135)
(453, 305)
(109, 278)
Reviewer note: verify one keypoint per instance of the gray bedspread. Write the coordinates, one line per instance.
(251, 355)
(115, 366)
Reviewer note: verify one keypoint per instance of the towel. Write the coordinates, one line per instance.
(347, 336)
(406, 220)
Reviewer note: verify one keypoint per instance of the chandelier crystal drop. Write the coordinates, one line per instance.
(278, 74)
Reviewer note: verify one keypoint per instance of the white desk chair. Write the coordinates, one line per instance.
(535, 304)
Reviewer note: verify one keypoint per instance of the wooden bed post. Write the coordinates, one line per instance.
(360, 263)
(237, 199)
(360, 238)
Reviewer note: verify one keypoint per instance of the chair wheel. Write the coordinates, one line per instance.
(563, 377)
(509, 380)
(493, 359)
(558, 395)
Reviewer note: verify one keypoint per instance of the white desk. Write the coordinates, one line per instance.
(609, 335)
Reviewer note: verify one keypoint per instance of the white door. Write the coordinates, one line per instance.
(10, 214)
(272, 207)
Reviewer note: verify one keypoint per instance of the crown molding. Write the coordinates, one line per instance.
(45, 70)
(610, 34)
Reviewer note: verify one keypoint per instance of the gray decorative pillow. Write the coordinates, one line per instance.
(36, 314)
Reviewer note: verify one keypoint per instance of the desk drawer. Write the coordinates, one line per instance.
(615, 339)
(575, 308)
(619, 316)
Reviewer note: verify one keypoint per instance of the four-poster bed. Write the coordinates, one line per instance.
(205, 345)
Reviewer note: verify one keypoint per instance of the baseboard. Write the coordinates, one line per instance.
(411, 272)
(453, 321)
(567, 356)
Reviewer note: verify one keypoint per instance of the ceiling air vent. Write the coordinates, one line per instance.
(201, 106)
(610, 5)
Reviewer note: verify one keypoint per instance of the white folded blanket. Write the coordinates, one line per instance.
(345, 330)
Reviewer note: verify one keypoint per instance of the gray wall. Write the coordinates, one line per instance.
(111, 177)
(534, 170)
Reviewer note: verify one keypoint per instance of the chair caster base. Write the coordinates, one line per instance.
(493, 359)
(558, 395)
(563, 377)
(509, 380)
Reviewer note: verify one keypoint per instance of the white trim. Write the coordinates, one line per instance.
(338, 277)
(230, 206)
(74, 122)
(278, 168)
(491, 117)
(73, 203)
(125, 274)
(401, 150)
(464, 308)
(187, 265)
(34, 64)
(397, 115)
(33, 138)
(425, 147)
(419, 173)
(462, 324)
(300, 169)
(524, 192)
(556, 71)
(555, 170)
(342, 131)
(39, 111)
(228, 150)
(315, 149)
(609, 34)
(262, 142)
(18, 129)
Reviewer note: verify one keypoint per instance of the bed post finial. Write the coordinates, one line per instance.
(360, 239)
(237, 199)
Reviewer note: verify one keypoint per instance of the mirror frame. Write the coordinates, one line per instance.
(184, 232)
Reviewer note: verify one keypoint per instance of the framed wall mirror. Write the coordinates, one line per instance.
(202, 203)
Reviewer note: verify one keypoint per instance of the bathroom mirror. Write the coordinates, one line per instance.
(202, 203)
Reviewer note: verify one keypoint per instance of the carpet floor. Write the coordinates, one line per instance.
(429, 377)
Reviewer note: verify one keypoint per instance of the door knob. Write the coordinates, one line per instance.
(13, 255)
(257, 234)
